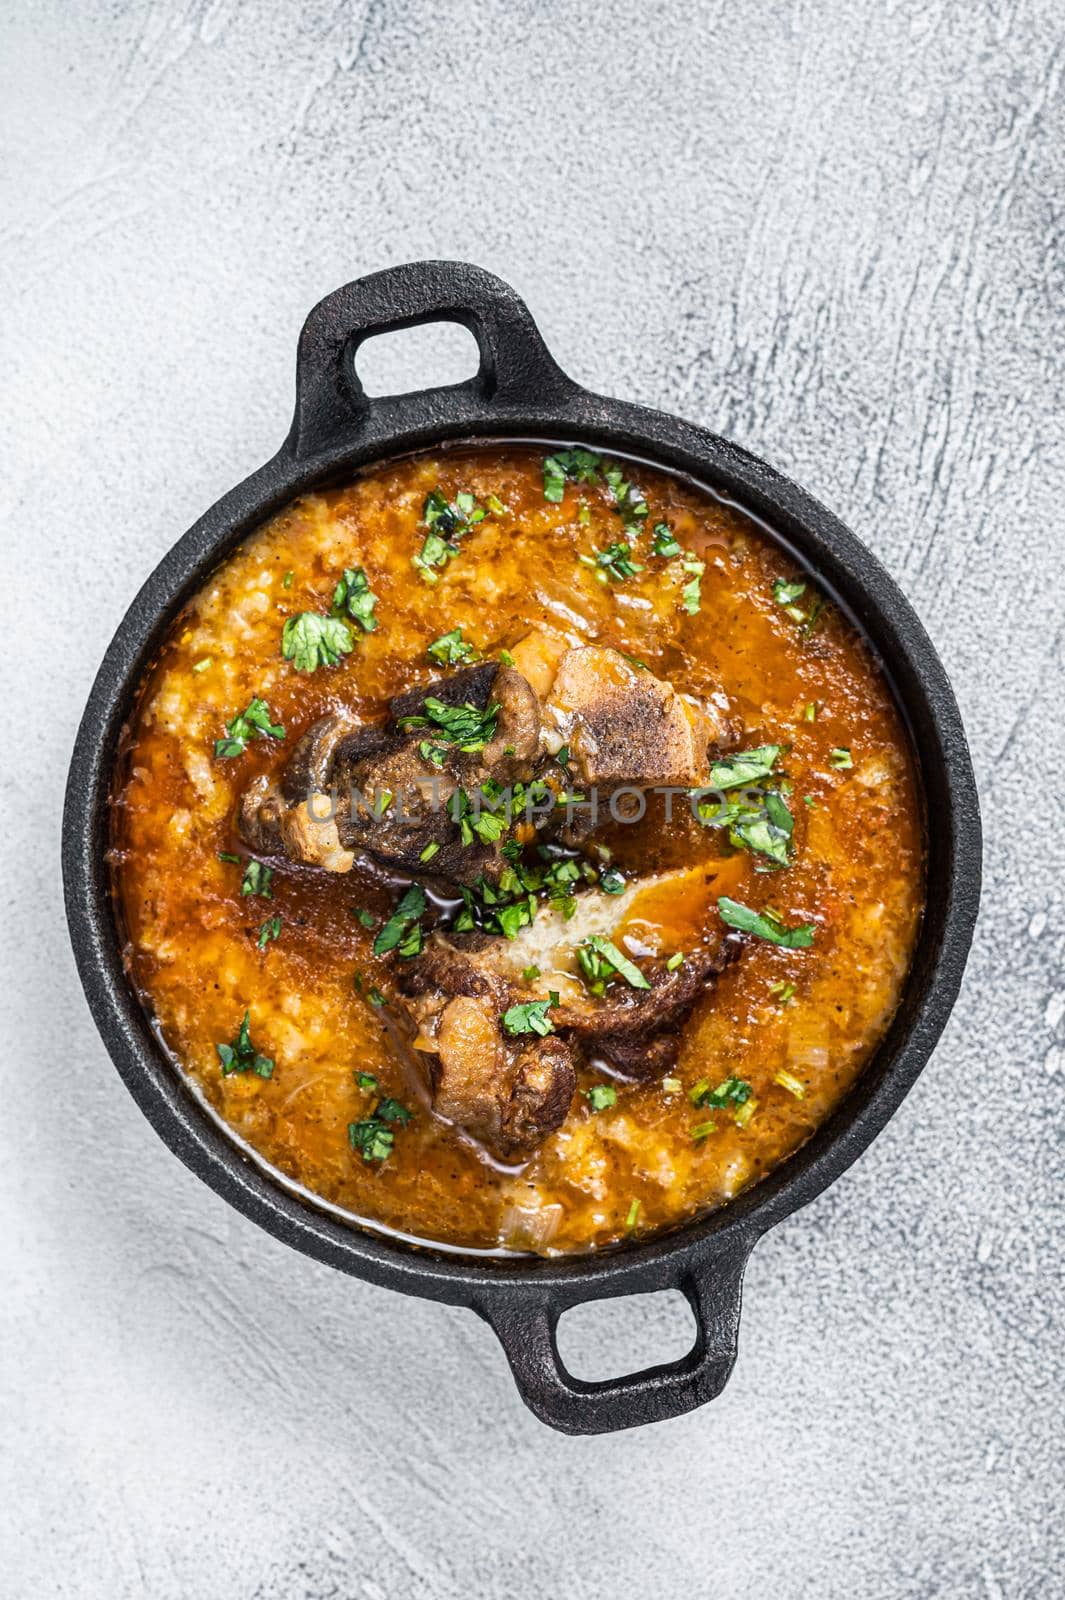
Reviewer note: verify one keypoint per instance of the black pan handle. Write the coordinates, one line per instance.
(331, 404)
(526, 1327)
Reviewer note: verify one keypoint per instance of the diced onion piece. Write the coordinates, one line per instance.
(529, 1227)
(745, 1112)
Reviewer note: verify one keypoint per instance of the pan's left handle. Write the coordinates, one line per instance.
(515, 369)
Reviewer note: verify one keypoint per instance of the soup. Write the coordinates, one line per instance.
(516, 849)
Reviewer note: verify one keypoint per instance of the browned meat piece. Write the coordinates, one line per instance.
(342, 773)
(636, 1030)
(624, 726)
(507, 1095)
(388, 788)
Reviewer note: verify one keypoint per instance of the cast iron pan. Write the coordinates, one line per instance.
(519, 392)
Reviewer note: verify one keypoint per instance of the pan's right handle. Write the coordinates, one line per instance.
(526, 1322)
(515, 367)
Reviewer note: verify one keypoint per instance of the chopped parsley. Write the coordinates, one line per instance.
(730, 1092)
(251, 723)
(402, 931)
(601, 1095)
(579, 466)
(242, 1056)
(786, 592)
(257, 879)
(615, 561)
(374, 1137)
(446, 523)
(663, 542)
(764, 925)
(271, 929)
(691, 592)
(451, 649)
(841, 759)
(464, 726)
(745, 767)
(601, 961)
(530, 1017)
(354, 598)
(310, 641)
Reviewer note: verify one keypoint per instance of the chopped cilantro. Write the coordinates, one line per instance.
(373, 1138)
(257, 879)
(764, 925)
(611, 881)
(367, 1081)
(251, 723)
(451, 649)
(730, 1092)
(615, 561)
(691, 592)
(600, 961)
(529, 1017)
(446, 524)
(464, 726)
(398, 931)
(745, 767)
(663, 541)
(601, 1095)
(242, 1056)
(354, 598)
(580, 466)
(310, 641)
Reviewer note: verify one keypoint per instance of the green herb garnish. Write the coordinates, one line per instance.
(271, 929)
(373, 1138)
(600, 961)
(398, 930)
(242, 1056)
(451, 649)
(731, 1092)
(601, 1095)
(663, 542)
(615, 561)
(530, 1017)
(354, 598)
(841, 759)
(611, 881)
(256, 880)
(446, 523)
(465, 726)
(310, 641)
(764, 925)
(579, 466)
(691, 592)
(251, 723)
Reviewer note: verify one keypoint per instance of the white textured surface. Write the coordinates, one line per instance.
(833, 231)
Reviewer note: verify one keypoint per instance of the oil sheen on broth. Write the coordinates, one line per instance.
(573, 1114)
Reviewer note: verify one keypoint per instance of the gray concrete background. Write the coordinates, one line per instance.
(832, 231)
